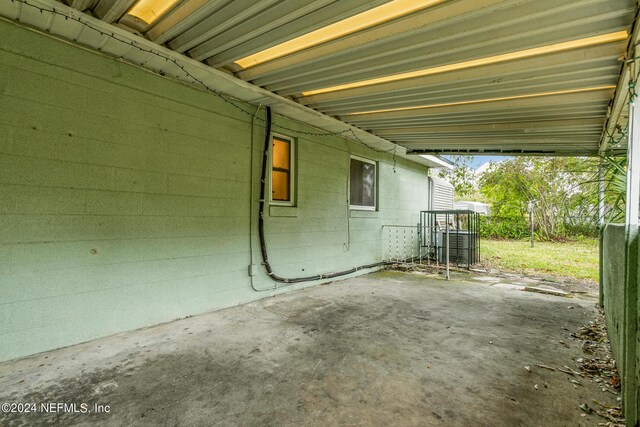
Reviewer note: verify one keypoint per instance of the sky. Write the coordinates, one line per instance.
(478, 162)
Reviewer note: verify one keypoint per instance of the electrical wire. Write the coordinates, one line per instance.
(227, 99)
(251, 273)
(263, 245)
(347, 245)
(253, 115)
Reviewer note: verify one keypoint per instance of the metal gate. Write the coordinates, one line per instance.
(451, 236)
(443, 237)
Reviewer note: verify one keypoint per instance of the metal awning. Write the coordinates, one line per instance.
(434, 76)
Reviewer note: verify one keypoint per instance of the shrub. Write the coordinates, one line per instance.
(503, 227)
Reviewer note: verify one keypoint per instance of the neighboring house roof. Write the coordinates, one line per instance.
(483, 208)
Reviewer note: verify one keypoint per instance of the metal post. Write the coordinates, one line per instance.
(397, 249)
(633, 166)
(447, 253)
(600, 233)
(476, 220)
(412, 246)
(404, 245)
(630, 295)
(457, 214)
(531, 219)
(433, 232)
(600, 194)
(469, 241)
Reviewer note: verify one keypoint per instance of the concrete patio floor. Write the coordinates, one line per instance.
(388, 348)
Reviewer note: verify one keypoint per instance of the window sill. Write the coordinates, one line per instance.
(355, 213)
(291, 211)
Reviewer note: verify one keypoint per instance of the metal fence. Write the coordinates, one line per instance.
(451, 235)
(401, 243)
(441, 238)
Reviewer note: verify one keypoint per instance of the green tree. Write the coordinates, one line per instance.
(561, 189)
(614, 181)
(462, 176)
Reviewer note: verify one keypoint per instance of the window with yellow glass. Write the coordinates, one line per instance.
(282, 170)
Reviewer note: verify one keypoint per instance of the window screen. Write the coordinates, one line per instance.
(362, 190)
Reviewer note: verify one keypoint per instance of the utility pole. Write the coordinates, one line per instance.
(530, 208)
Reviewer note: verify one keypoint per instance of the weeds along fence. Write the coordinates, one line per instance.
(503, 227)
(519, 227)
(581, 225)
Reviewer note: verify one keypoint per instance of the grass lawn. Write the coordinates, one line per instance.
(570, 259)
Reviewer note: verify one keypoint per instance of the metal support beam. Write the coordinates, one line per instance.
(447, 251)
(601, 193)
(81, 5)
(523, 126)
(553, 101)
(630, 295)
(110, 11)
(633, 165)
(601, 226)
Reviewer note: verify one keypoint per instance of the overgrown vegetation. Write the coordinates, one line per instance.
(561, 191)
(496, 227)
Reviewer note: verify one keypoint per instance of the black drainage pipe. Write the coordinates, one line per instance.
(263, 246)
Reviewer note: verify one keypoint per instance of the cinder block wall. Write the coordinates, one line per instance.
(621, 304)
(125, 198)
(614, 260)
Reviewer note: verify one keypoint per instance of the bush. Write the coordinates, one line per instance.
(518, 228)
(503, 228)
(585, 230)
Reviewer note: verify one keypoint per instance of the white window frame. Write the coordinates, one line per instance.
(375, 196)
(292, 171)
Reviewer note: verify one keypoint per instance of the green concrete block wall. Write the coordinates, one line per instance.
(125, 198)
(621, 276)
(636, 417)
(614, 261)
(630, 392)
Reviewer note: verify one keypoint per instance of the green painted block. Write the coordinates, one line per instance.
(126, 199)
(620, 261)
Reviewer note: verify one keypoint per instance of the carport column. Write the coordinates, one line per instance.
(600, 193)
(633, 165)
(601, 231)
(629, 350)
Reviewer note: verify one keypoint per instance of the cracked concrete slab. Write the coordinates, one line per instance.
(386, 348)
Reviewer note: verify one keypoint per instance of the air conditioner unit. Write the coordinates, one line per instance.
(462, 246)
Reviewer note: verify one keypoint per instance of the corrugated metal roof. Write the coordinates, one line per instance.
(544, 103)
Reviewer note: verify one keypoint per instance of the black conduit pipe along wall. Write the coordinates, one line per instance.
(263, 245)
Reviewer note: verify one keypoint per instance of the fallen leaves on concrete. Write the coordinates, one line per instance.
(612, 414)
(568, 370)
(549, 368)
(600, 367)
